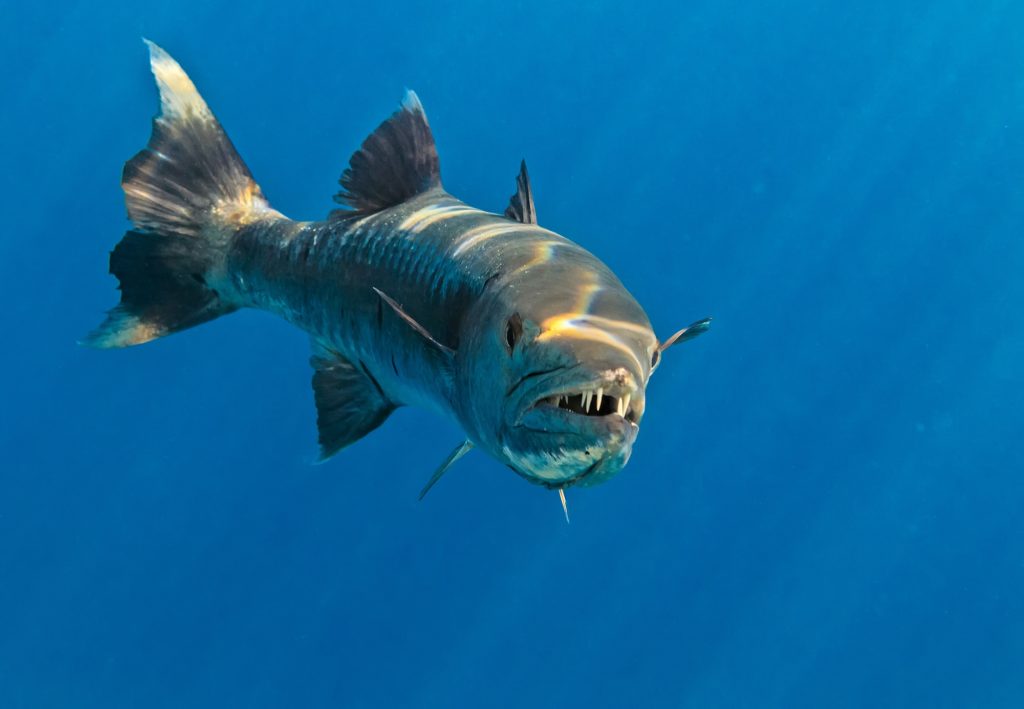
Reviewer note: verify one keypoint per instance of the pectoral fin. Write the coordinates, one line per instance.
(687, 333)
(453, 457)
(422, 331)
(349, 401)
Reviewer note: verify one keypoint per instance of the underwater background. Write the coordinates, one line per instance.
(823, 508)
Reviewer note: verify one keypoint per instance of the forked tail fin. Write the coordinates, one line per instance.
(187, 192)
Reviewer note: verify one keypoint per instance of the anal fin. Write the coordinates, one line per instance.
(349, 401)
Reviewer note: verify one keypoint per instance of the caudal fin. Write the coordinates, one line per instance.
(187, 192)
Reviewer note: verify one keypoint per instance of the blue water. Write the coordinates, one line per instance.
(824, 507)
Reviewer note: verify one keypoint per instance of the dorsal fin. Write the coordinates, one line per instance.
(520, 206)
(397, 162)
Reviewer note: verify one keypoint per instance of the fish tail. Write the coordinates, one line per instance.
(187, 193)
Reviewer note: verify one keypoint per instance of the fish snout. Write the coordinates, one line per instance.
(622, 384)
(619, 378)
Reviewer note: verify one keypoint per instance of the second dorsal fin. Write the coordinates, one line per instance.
(520, 206)
(395, 163)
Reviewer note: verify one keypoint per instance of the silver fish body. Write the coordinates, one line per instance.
(410, 296)
(454, 269)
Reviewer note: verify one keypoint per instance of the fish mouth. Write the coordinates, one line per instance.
(607, 395)
(575, 427)
(578, 433)
(597, 401)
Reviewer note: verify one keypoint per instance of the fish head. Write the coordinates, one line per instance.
(551, 373)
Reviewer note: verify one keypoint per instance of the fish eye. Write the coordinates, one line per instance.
(513, 330)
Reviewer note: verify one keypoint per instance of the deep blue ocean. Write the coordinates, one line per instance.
(824, 506)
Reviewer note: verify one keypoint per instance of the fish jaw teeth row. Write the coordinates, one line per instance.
(592, 399)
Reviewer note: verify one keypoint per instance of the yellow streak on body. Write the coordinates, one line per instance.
(478, 235)
(576, 325)
(615, 324)
(423, 218)
(542, 253)
(580, 324)
(358, 224)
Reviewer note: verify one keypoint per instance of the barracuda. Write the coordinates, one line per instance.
(410, 296)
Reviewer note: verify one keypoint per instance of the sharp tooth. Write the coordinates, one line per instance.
(625, 404)
(600, 395)
(618, 407)
(586, 400)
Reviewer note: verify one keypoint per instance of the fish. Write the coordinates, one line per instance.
(410, 296)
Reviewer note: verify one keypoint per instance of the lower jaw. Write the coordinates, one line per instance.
(576, 479)
(555, 421)
(569, 467)
(555, 452)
